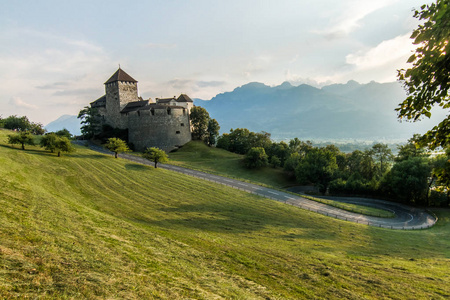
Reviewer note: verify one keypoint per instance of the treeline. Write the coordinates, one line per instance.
(30, 133)
(411, 177)
(22, 124)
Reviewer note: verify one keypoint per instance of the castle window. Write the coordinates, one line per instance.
(182, 124)
(168, 111)
(177, 132)
(184, 113)
(139, 113)
(152, 111)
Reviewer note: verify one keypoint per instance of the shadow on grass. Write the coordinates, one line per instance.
(236, 218)
(136, 167)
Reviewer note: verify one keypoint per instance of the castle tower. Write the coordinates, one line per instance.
(120, 89)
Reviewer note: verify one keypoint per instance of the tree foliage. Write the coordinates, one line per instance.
(408, 181)
(117, 146)
(23, 138)
(64, 132)
(55, 143)
(317, 167)
(427, 82)
(213, 132)
(256, 157)
(412, 148)
(23, 124)
(199, 120)
(241, 140)
(90, 122)
(156, 155)
(383, 155)
(63, 144)
(48, 141)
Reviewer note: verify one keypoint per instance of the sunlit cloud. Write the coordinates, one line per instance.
(349, 18)
(19, 103)
(387, 52)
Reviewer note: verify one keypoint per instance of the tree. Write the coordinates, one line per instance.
(52, 142)
(256, 157)
(64, 132)
(292, 162)
(411, 149)
(117, 146)
(90, 120)
(383, 155)
(213, 132)
(361, 163)
(408, 180)
(63, 144)
(275, 161)
(427, 82)
(23, 138)
(223, 142)
(199, 120)
(317, 167)
(441, 172)
(156, 155)
(23, 124)
(48, 141)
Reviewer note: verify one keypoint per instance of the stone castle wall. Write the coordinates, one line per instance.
(164, 128)
(118, 95)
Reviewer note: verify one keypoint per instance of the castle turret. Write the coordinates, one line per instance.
(120, 89)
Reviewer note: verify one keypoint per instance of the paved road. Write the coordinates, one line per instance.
(406, 217)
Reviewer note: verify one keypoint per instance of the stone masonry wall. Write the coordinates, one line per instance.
(118, 94)
(161, 129)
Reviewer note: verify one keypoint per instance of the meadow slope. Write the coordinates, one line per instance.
(87, 225)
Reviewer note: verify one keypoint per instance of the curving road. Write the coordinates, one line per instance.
(406, 217)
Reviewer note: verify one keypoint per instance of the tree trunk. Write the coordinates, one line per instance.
(59, 153)
(23, 146)
(156, 163)
(115, 154)
(428, 191)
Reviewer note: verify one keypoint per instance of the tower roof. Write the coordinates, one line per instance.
(184, 98)
(120, 75)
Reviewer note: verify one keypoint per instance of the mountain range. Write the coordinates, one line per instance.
(350, 111)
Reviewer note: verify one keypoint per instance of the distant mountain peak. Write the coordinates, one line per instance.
(253, 85)
(284, 86)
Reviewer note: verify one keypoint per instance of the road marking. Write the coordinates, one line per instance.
(227, 180)
(273, 193)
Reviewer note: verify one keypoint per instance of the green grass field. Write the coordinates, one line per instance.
(196, 155)
(87, 225)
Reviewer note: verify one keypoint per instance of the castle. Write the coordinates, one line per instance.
(164, 123)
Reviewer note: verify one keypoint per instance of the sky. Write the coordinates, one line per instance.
(56, 55)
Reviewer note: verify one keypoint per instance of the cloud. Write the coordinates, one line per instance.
(387, 52)
(53, 85)
(19, 103)
(348, 19)
(213, 83)
(180, 83)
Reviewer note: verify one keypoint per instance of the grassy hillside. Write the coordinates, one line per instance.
(90, 226)
(196, 155)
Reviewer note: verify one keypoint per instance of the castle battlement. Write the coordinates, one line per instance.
(164, 124)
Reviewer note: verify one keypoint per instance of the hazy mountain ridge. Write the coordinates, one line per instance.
(334, 112)
(69, 122)
(338, 111)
